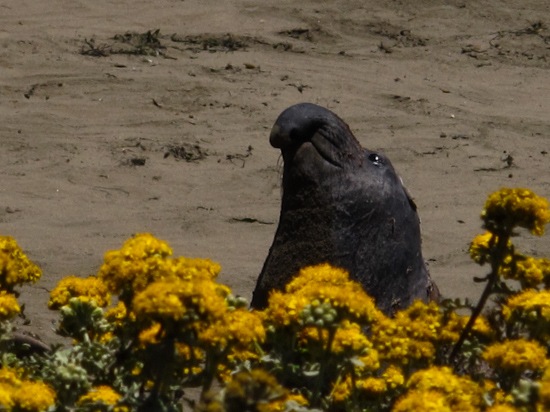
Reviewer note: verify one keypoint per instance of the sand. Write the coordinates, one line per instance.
(137, 116)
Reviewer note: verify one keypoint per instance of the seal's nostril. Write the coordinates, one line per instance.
(278, 138)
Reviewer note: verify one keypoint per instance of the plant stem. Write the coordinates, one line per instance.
(496, 263)
(323, 366)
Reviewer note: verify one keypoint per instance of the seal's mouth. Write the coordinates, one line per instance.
(325, 142)
(325, 146)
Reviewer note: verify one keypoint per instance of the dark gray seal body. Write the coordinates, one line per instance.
(344, 205)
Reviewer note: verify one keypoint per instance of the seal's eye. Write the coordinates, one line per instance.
(376, 159)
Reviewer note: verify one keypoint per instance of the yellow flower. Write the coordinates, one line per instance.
(194, 268)
(33, 396)
(151, 335)
(516, 356)
(410, 335)
(508, 208)
(284, 309)
(529, 271)
(9, 376)
(349, 339)
(8, 306)
(455, 323)
(348, 342)
(371, 386)
(341, 391)
(503, 408)
(481, 248)
(493, 392)
(6, 400)
(144, 260)
(90, 288)
(15, 266)
(348, 388)
(459, 393)
(321, 286)
(326, 283)
(529, 305)
(393, 377)
(257, 390)
(102, 395)
(188, 302)
(24, 395)
(240, 328)
(140, 261)
(426, 401)
(118, 315)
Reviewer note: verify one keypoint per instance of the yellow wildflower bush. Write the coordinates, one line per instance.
(15, 266)
(20, 394)
(100, 397)
(508, 208)
(90, 288)
(140, 261)
(9, 307)
(516, 356)
(459, 393)
(320, 344)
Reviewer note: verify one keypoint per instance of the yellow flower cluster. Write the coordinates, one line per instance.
(86, 289)
(256, 389)
(151, 335)
(438, 387)
(118, 315)
(516, 356)
(193, 303)
(508, 208)
(529, 271)
(367, 387)
(140, 261)
(143, 260)
(503, 408)
(8, 306)
(348, 341)
(483, 247)
(102, 396)
(426, 401)
(319, 285)
(24, 395)
(194, 268)
(410, 335)
(15, 266)
(455, 323)
(238, 328)
(529, 305)
(348, 388)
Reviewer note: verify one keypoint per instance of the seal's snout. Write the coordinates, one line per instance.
(297, 124)
(329, 135)
(278, 138)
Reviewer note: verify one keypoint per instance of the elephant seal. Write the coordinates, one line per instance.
(344, 205)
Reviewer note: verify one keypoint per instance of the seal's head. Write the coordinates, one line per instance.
(344, 205)
(318, 149)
